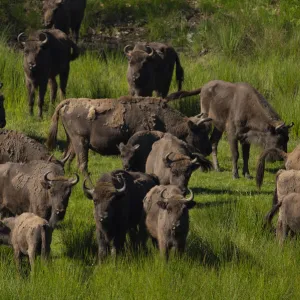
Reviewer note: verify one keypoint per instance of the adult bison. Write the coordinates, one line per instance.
(150, 68)
(245, 114)
(291, 162)
(172, 162)
(102, 124)
(118, 206)
(167, 217)
(47, 53)
(64, 15)
(2, 110)
(135, 153)
(17, 147)
(38, 187)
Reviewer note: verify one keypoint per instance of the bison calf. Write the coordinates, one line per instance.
(167, 217)
(28, 234)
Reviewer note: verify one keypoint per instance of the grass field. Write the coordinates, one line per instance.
(228, 255)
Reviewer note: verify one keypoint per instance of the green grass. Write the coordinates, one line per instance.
(228, 255)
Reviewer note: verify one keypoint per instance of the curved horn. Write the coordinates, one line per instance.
(191, 197)
(50, 158)
(43, 42)
(196, 157)
(122, 189)
(152, 51)
(290, 125)
(74, 181)
(162, 194)
(279, 126)
(167, 158)
(127, 48)
(19, 38)
(199, 116)
(46, 176)
(88, 192)
(64, 160)
(204, 120)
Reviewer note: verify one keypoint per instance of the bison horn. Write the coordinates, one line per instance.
(88, 192)
(74, 181)
(64, 160)
(19, 38)
(191, 197)
(122, 189)
(46, 177)
(152, 51)
(199, 116)
(127, 48)
(204, 120)
(162, 194)
(290, 125)
(167, 159)
(45, 40)
(50, 158)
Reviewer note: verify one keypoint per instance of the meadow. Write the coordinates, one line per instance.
(228, 255)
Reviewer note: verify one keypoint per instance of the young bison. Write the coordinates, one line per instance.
(28, 234)
(167, 217)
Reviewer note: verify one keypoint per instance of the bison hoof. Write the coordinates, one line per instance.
(248, 176)
(235, 176)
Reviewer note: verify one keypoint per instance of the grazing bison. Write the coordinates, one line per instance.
(64, 14)
(28, 234)
(102, 124)
(38, 187)
(150, 68)
(171, 161)
(245, 114)
(118, 206)
(17, 147)
(134, 154)
(167, 217)
(291, 162)
(2, 110)
(47, 53)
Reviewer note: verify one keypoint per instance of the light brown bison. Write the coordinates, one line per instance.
(64, 14)
(150, 68)
(102, 124)
(172, 162)
(38, 187)
(167, 217)
(244, 113)
(28, 234)
(47, 53)
(291, 162)
(118, 206)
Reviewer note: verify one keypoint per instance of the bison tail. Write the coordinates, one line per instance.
(271, 214)
(182, 94)
(75, 51)
(46, 235)
(260, 169)
(179, 73)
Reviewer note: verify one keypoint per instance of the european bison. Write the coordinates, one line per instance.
(118, 206)
(172, 162)
(64, 14)
(167, 217)
(38, 187)
(291, 162)
(135, 153)
(245, 114)
(150, 68)
(2, 110)
(102, 124)
(47, 53)
(28, 234)
(17, 147)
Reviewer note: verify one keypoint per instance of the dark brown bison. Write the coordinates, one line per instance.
(17, 147)
(64, 15)
(102, 124)
(245, 114)
(167, 217)
(118, 206)
(2, 110)
(150, 68)
(28, 234)
(135, 153)
(38, 187)
(291, 162)
(172, 162)
(47, 53)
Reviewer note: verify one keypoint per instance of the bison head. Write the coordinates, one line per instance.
(55, 14)
(197, 135)
(127, 153)
(105, 195)
(181, 168)
(59, 191)
(140, 72)
(35, 51)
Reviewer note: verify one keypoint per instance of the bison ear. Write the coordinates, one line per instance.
(46, 184)
(162, 204)
(190, 204)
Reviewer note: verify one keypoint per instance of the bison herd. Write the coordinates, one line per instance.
(160, 147)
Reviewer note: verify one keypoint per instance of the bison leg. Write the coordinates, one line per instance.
(17, 256)
(53, 89)
(31, 254)
(282, 231)
(42, 91)
(31, 94)
(81, 148)
(63, 80)
(233, 142)
(118, 243)
(163, 249)
(214, 139)
(246, 152)
(102, 246)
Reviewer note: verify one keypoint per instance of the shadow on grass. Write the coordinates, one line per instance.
(215, 203)
(228, 192)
